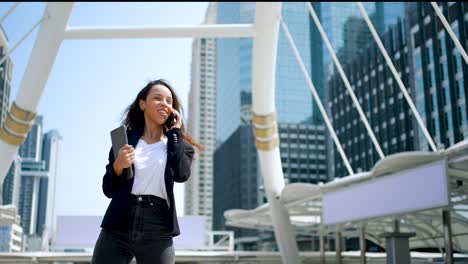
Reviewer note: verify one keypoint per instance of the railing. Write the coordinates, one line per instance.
(241, 257)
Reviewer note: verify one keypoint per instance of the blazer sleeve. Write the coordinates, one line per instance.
(111, 182)
(180, 155)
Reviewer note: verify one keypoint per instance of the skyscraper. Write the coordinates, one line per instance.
(238, 182)
(31, 148)
(202, 123)
(32, 168)
(348, 35)
(440, 74)
(9, 190)
(38, 174)
(333, 17)
(11, 184)
(46, 206)
(234, 67)
(6, 69)
(381, 100)
(11, 233)
(433, 72)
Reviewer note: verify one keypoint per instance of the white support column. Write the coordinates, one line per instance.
(338, 247)
(448, 243)
(322, 246)
(23, 110)
(362, 243)
(264, 123)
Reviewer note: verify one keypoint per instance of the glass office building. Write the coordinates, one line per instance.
(440, 74)
(348, 35)
(234, 67)
(432, 70)
(238, 182)
(6, 70)
(201, 123)
(381, 100)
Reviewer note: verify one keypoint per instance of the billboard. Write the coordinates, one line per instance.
(80, 232)
(415, 189)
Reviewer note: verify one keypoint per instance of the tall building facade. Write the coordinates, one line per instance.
(32, 168)
(381, 100)
(6, 70)
(202, 123)
(31, 148)
(39, 165)
(11, 233)
(432, 70)
(238, 182)
(234, 67)
(440, 74)
(11, 183)
(348, 35)
(9, 191)
(46, 221)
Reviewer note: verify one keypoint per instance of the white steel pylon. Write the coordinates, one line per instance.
(267, 16)
(23, 109)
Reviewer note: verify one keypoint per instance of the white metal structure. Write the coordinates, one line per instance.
(54, 30)
(302, 201)
(225, 240)
(305, 200)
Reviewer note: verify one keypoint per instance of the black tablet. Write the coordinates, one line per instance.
(119, 139)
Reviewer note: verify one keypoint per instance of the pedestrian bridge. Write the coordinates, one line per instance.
(436, 218)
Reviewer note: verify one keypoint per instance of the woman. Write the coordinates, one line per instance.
(141, 218)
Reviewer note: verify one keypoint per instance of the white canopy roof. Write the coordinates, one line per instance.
(303, 201)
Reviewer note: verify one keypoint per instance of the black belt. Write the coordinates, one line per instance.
(148, 200)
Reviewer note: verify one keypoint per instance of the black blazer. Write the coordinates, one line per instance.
(179, 160)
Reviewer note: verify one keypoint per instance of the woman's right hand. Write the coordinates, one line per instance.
(125, 159)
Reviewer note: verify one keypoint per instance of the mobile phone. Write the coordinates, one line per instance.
(169, 121)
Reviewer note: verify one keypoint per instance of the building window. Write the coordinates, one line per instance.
(430, 54)
(419, 86)
(444, 70)
(446, 96)
(457, 61)
(431, 78)
(442, 47)
(417, 60)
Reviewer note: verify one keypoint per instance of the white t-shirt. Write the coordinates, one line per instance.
(150, 164)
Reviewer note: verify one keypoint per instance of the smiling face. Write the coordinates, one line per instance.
(158, 104)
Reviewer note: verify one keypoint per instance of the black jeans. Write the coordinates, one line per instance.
(149, 240)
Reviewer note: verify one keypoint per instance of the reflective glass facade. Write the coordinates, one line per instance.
(234, 67)
(440, 74)
(433, 72)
